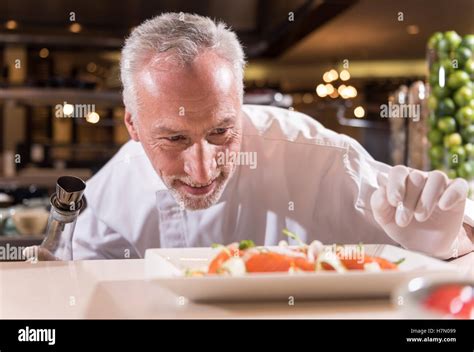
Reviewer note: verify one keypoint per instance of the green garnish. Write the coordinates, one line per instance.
(399, 261)
(224, 248)
(293, 236)
(193, 273)
(246, 244)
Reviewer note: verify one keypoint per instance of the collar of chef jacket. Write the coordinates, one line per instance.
(256, 203)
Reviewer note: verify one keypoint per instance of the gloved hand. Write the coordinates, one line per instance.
(423, 211)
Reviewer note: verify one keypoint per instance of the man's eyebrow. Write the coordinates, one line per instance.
(166, 130)
(163, 129)
(226, 120)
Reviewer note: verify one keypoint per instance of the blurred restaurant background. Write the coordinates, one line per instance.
(337, 61)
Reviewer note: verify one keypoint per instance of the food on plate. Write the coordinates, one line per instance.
(244, 257)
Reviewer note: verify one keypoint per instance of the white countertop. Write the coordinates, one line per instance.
(119, 289)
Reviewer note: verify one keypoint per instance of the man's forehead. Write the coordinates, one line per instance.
(205, 74)
(190, 107)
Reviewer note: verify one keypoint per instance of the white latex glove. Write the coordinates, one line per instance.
(423, 211)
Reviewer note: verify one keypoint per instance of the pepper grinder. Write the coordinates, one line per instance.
(66, 204)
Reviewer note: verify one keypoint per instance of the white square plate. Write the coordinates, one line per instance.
(165, 267)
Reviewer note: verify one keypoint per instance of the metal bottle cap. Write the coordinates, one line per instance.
(69, 190)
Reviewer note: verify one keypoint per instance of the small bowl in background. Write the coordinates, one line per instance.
(30, 221)
(436, 297)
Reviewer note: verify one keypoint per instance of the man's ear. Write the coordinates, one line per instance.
(131, 124)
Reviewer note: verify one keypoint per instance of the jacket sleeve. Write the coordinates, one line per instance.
(357, 184)
(93, 239)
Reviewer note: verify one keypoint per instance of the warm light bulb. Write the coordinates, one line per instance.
(413, 29)
(359, 112)
(329, 88)
(326, 77)
(75, 27)
(68, 109)
(342, 90)
(344, 75)
(11, 25)
(44, 53)
(321, 90)
(93, 117)
(333, 75)
(351, 92)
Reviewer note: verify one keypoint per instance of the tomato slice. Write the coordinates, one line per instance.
(276, 262)
(357, 264)
(219, 259)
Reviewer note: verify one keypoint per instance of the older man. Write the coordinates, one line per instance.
(203, 168)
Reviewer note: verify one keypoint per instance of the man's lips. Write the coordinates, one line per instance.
(198, 191)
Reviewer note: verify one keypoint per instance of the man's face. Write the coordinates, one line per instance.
(187, 116)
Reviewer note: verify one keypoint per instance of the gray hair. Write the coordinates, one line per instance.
(187, 35)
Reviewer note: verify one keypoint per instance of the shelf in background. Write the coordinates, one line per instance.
(42, 177)
(23, 240)
(51, 96)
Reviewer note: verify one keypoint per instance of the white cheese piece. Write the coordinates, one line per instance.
(372, 267)
(314, 249)
(234, 266)
(330, 258)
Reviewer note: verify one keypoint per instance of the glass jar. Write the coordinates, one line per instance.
(451, 104)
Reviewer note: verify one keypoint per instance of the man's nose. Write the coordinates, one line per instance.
(200, 162)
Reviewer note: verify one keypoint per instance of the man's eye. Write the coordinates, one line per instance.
(176, 138)
(220, 131)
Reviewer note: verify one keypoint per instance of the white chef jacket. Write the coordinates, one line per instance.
(308, 179)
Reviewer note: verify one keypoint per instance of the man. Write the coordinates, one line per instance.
(202, 168)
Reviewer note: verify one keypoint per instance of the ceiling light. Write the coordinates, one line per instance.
(329, 88)
(321, 90)
(359, 112)
(413, 29)
(351, 92)
(333, 75)
(68, 109)
(334, 94)
(11, 25)
(44, 53)
(344, 75)
(326, 77)
(75, 27)
(93, 117)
